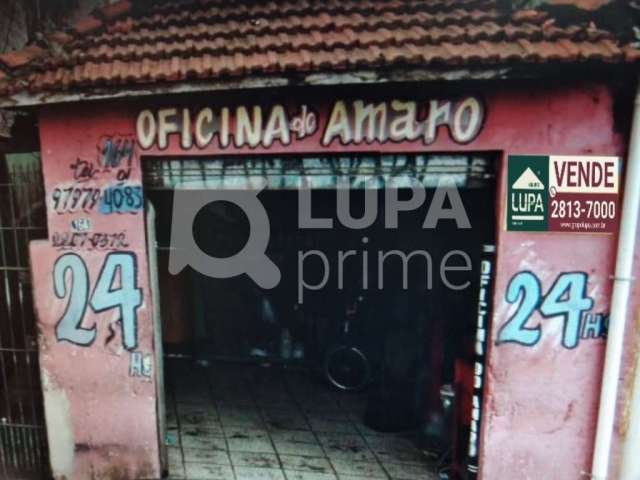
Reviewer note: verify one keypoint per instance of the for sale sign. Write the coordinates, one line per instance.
(563, 193)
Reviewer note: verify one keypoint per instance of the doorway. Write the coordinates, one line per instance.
(346, 368)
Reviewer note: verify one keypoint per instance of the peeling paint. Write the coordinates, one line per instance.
(626, 410)
(59, 428)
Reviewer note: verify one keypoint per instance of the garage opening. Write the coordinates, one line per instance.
(360, 361)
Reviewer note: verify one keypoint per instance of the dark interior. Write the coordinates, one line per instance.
(394, 349)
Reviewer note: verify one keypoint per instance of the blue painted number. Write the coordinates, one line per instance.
(126, 296)
(116, 288)
(121, 198)
(525, 287)
(567, 297)
(69, 327)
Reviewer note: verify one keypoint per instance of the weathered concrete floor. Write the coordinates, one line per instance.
(251, 423)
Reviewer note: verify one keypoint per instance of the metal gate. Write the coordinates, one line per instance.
(23, 439)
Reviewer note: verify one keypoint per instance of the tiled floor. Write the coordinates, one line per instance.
(254, 423)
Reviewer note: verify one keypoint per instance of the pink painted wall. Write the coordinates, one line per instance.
(541, 401)
(111, 403)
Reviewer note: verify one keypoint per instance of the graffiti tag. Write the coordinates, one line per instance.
(81, 224)
(140, 365)
(567, 298)
(116, 198)
(116, 152)
(116, 287)
(90, 241)
(121, 198)
(83, 170)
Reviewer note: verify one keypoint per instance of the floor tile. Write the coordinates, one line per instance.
(294, 448)
(177, 474)
(172, 419)
(299, 436)
(243, 400)
(234, 415)
(340, 439)
(342, 476)
(174, 456)
(199, 420)
(215, 457)
(253, 423)
(364, 430)
(202, 471)
(399, 471)
(208, 430)
(195, 398)
(350, 454)
(251, 459)
(191, 409)
(365, 469)
(394, 449)
(249, 440)
(285, 420)
(235, 410)
(176, 471)
(249, 473)
(389, 442)
(319, 413)
(298, 475)
(308, 464)
(251, 445)
(332, 426)
(203, 443)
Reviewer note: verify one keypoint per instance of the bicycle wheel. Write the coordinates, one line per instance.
(347, 368)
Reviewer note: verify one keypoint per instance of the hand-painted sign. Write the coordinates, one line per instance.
(563, 193)
(479, 377)
(567, 298)
(116, 287)
(99, 186)
(347, 122)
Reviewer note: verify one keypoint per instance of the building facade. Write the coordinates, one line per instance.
(154, 121)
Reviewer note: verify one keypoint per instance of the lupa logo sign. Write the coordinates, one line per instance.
(252, 259)
(563, 193)
(528, 179)
(445, 205)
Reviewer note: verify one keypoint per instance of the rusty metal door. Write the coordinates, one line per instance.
(23, 439)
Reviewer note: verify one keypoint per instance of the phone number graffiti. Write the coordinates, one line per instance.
(118, 198)
(90, 241)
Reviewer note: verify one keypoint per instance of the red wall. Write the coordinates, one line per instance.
(541, 401)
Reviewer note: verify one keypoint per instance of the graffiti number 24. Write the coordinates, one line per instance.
(107, 294)
(566, 298)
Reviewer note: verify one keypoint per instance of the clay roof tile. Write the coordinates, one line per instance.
(21, 57)
(115, 10)
(206, 39)
(87, 24)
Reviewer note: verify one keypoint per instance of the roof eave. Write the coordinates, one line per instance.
(354, 77)
(370, 76)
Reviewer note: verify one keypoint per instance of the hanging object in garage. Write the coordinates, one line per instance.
(562, 193)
